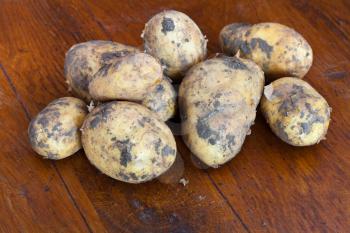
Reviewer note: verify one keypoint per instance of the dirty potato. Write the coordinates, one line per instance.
(127, 142)
(232, 36)
(161, 99)
(176, 40)
(295, 111)
(277, 49)
(83, 60)
(54, 133)
(218, 100)
(126, 78)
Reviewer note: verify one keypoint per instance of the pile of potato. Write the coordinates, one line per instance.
(125, 136)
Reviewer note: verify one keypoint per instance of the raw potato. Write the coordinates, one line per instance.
(161, 99)
(126, 78)
(277, 49)
(55, 132)
(176, 40)
(295, 111)
(85, 59)
(218, 100)
(127, 142)
(232, 37)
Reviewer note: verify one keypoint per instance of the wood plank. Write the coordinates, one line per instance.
(172, 207)
(38, 43)
(283, 188)
(32, 195)
(275, 187)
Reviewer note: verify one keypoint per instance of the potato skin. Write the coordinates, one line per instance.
(162, 99)
(295, 111)
(279, 50)
(83, 60)
(176, 40)
(218, 99)
(126, 78)
(127, 142)
(55, 132)
(232, 37)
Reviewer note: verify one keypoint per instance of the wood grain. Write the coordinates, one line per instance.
(33, 197)
(268, 187)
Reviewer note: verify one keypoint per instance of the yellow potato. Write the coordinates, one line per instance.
(83, 60)
(176, 40)
(126, 78)
(127, 142)
(232, 37)
(295, 111)
(55, 132)
(161, 99)
(277, 49)
(218, 100)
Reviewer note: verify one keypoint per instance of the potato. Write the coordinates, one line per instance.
(176, 40)
(232, 37)
(295, 111)
(83, 60)
(127, 142)
(161, 99)
(277, 49)
(54, 133)
(218, 100)
(126, 78)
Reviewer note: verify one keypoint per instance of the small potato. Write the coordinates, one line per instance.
(85, 59)
(277, 49)
(161, 99)
(218, 100)
(127, 142)
(55, 132)
(126, 78)
(176, 40)
(295, 111)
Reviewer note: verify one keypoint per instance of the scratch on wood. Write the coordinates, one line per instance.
(97, 21)
(336, 74)
(26, 111)
(229, 204)
(18, 96)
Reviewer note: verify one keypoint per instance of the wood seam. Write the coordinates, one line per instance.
(27, 114)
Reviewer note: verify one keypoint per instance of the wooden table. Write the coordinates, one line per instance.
(268, 187)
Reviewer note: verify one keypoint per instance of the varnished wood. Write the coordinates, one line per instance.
(268, 187)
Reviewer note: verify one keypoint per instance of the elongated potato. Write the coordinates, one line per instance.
(218, 100)
(176, 40)
(161, 99)
(126, 78)
(295, 111)
(127, 142)
(54, 133)
(277, 49)
(83, 60)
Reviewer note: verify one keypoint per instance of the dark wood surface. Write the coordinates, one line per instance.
(268, 187)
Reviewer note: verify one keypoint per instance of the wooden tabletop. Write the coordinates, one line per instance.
(268, 187)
